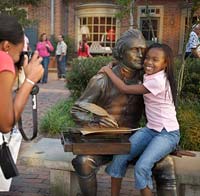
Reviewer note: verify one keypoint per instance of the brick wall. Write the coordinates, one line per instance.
(42, 15)
(65, 18)
(171, 21)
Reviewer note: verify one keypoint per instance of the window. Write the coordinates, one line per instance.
(99, 23)
(100, 29)
(151, 26)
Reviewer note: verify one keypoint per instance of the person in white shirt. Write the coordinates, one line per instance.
(193, 43)
(61, 51)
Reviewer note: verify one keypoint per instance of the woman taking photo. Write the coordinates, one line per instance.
(11, 46)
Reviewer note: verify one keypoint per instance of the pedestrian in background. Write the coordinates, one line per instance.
(193, 43)
(61, 58)
(44, 47)
(84, 49)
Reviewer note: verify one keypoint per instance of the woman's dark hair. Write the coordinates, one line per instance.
(10, 30)
(169, 68)
(41, 36)
(83, 45)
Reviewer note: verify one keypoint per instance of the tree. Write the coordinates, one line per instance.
(12, 7)
(127, 7)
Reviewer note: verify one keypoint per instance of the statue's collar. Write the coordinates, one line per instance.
(127, 73)
(126, 69)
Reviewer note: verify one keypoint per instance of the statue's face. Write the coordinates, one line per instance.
(133, 54)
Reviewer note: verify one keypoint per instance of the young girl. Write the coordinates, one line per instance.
(161, 134)
(84, 49)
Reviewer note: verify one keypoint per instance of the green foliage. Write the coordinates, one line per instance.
(82, 71)
(70, 47)
(191, 80)
(11, 7)
(189, 119)
(125, 8)
(57, 118)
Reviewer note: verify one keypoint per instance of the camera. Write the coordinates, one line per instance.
(20, 63)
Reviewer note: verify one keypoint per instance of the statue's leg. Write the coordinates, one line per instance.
(86, 168)
(164, 174)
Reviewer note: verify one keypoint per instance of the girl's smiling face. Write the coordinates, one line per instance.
(154, 61)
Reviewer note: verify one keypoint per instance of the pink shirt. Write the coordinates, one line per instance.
(6, 63)
(159, 106)
(42, 49)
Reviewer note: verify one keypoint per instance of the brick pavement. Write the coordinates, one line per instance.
(34, 181)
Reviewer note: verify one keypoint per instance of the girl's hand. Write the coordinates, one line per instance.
(33, 69)
(105, 69)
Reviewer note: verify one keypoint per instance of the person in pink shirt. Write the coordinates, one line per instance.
(44, 47)
(11, 47)
(161, 134)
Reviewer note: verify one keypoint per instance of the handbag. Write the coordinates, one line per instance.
(7, 163)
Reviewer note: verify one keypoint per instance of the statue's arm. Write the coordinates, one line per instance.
(91, 94)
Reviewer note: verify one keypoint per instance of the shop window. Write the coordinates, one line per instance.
(100, 29)
(149, 28)
(150, 22)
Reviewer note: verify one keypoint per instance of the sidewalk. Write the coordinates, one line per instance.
(34, 181)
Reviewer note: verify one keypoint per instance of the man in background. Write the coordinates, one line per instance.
(61, 58)
(193, 43)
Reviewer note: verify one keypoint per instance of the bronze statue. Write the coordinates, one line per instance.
(126, 110)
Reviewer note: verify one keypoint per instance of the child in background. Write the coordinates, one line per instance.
(84, 49)
(161, 134)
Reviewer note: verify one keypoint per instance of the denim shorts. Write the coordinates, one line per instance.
(150, 146)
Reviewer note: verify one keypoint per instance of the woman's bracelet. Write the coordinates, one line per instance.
(30, 81)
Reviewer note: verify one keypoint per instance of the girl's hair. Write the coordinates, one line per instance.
(169, 68)
(11, 30)
(41, 37)
(84, 41)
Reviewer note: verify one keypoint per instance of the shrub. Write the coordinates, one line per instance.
(189, 119)
(82, 71)
(57, 118)
(191, 79)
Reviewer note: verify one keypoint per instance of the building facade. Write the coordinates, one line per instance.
(98, 21)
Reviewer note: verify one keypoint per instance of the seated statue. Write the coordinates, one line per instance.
(125, 109)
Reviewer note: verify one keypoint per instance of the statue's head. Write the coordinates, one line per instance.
(129, 48)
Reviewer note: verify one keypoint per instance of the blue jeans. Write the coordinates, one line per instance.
(151, 146)
(61, 66)
(45, 63)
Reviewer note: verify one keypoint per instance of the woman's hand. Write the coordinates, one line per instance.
(33, 69)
